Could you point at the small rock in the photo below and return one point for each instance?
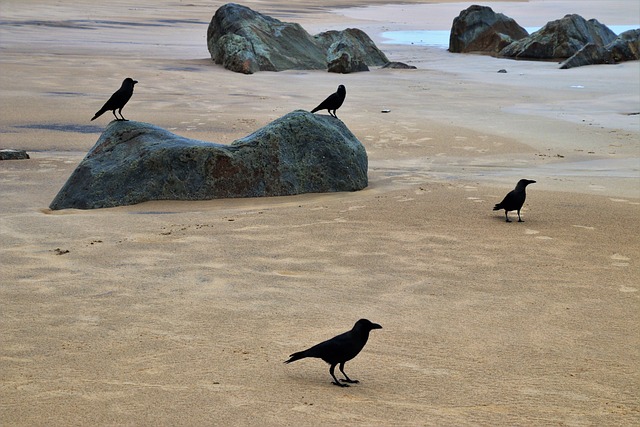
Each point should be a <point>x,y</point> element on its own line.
<point>398,66</point>
<point>11,154</point>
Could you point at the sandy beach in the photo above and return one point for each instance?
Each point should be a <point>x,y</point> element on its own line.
<point>181,313</point>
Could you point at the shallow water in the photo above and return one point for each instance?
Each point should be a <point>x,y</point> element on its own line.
<point>440,38</point>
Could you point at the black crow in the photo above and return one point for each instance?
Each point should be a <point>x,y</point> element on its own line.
<point>340,349</point>
<point>118,99</point>
<point>514,200</point>
<point>333,101</point>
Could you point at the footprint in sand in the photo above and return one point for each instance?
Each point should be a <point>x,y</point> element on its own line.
<point>534,232</point>
<point>620,260</point>
<point>584,226</point>
<point>354,208</point>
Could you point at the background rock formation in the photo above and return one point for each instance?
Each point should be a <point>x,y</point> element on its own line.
<point>350,50</point>
<point>237,35</point>
<point>134,162</point>
<point>624,48</point>
<point>480,29</point>
<point>246,41</point>
<point>560,39</point>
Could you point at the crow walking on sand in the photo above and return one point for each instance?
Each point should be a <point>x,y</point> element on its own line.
<point>514,200</point>
<point>333,101</point>
<point>340,349</point>
<point>118,100</point>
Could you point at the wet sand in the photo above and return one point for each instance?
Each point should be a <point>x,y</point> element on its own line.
<point>181,313</point>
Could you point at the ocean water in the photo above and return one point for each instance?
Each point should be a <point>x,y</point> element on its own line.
<point>440,39</point>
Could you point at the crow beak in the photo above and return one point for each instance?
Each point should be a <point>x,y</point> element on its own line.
<point>375,326</point>
<point>135,81</point>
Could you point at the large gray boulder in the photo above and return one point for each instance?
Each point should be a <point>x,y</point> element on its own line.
<point>480,29</point>
<point>560,39</point>
<point>263,42</point>
<point>245,41</point>
<point>134,162</point>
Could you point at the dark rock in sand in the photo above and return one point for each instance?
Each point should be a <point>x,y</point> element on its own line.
<point>342,62</point>
<point>560,39</point>
<point>134,162</point>
<point>589,54</point>
<point>235,53</point>
<point>480,29</point>
<point>11,154</point>
<point>399,66</point>
<point>351,49</point>
<point>246,41</point>
<point>625,47</point>
<point>243,40</point>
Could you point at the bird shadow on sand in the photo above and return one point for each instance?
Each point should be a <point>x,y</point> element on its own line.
<point>63,127</point>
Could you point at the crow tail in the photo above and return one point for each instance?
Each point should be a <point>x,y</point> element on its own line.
<point>98,114</point>
<point>296,356</point>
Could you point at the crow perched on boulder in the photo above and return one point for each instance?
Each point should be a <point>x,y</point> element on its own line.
<point>118,100</point>
<point>340,349</point>
<point>333,101</point>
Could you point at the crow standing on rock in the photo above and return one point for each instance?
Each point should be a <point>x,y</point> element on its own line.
<point>514,200</point>
<point>340,349</point>
<point>333,101</point>
<point>118,100</point>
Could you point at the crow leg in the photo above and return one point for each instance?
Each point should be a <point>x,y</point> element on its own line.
<point>114,115</point>
<point>346,378</point>
<point>506,215</point>
<point>519,219</point>
<point>335,380</point>
<point>120,111</point>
